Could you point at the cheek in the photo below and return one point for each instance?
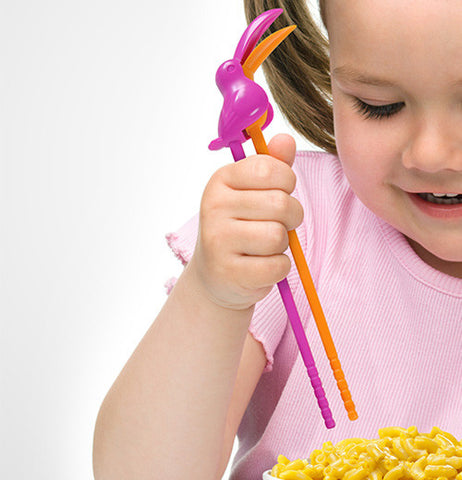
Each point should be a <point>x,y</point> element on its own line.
<point>367,148</point>
<point>354,145</point>
<point>365,155</point>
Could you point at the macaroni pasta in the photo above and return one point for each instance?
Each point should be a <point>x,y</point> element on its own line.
<point>397,454</point>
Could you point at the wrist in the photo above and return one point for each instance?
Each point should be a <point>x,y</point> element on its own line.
<point>195,289</point>
<point>222,294</point>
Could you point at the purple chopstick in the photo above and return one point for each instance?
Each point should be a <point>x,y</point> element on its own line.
<point>288,300</point>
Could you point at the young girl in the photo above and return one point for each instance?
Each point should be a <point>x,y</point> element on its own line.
<point>380,217</point>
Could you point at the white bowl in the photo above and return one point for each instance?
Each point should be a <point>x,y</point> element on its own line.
<point>267,476</point>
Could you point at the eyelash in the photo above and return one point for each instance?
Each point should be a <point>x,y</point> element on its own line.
<point>377,112</point>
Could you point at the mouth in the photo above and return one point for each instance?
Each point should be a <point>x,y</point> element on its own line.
<point>441,206</point>
<point>442,198</point>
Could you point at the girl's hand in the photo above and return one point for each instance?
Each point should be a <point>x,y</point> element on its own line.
<point>246,211</point>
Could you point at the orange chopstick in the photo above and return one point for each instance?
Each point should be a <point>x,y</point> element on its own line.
<point>310,291</point>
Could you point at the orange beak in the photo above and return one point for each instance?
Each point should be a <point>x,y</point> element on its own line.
<point>262,51</point>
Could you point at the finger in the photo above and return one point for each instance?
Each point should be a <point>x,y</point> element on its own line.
<point>283,147</point>
<point>259,238</point>
<point>260,272</point>
<point>259,172</point>
<point>270,205</point>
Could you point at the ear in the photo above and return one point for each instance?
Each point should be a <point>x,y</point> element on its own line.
<point>254,32</point>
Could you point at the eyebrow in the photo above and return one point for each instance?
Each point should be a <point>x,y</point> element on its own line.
<point>349,73</point>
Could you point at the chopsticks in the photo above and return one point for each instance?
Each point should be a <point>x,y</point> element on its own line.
<point>246,112</point>
<point>297,327</point>
<point>310,291</point>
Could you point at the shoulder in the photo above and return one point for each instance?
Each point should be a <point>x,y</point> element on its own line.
<point>319,174</point>
<point>333,215</point>
<point>323,189</point>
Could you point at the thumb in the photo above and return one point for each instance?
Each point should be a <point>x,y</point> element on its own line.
<point>283,147</point>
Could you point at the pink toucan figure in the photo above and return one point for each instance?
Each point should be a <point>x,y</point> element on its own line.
<point>244,100</point>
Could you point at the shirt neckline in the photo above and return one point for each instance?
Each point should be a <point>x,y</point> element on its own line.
<point>415,266</point>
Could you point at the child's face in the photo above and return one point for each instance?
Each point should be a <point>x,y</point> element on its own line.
<point>408,56</point>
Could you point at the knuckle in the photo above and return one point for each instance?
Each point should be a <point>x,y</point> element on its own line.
<point>267,272</point>
<point>262,169</point>
<point>291,179</point>
<point>298,212</point>
<point>281,267</point>
<point>286,265</point>
<point>222,176</point>
<point>279,201</point>
<point>215,198</point>
<point>277,235</point>
<point>209,205</point>
<point>263,273</point>
<point>217,176</point>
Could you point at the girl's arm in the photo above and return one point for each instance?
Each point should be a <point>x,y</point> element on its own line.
<point>174,410</point>
<point>250,369</point>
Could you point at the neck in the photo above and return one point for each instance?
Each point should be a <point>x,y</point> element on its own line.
<point>450,268</point>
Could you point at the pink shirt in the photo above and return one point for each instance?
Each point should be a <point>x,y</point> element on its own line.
<point>396,323</point>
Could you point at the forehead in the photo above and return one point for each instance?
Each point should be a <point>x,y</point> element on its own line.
<point>396,34</point>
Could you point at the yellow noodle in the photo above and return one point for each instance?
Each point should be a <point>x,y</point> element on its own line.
<point>397,454</point>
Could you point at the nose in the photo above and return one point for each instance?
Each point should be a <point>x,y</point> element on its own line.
<point>434,145</point>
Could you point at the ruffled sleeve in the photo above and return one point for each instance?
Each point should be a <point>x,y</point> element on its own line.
<point>183,241</point>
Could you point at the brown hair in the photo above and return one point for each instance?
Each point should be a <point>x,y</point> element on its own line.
<point>298,70</point>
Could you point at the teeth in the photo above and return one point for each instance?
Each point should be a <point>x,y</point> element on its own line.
<point>442,198</point>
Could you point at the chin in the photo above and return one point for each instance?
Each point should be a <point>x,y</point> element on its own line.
<point>438,251</point>
<point>450,255</point>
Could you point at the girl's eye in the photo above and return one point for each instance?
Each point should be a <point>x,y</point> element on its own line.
<point>377,111</point>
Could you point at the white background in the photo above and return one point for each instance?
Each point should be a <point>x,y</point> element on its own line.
<point>107,109</point>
